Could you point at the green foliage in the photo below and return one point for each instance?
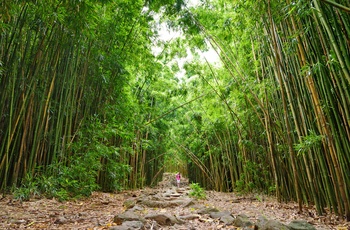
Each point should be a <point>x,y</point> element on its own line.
<point>28,189</point>
<point>38,186</point>
<point>79,178</point>
<point>240,185</point>
<point>72,182</point>
<point>96,160</point>
<point>197,191</point>
<point>116,175</point>
<point>254,178</point>
<point>272,190</point>
<point>308,142</point>
<point>92,156</point>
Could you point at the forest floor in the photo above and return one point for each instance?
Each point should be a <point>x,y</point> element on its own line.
<point>99,210</point>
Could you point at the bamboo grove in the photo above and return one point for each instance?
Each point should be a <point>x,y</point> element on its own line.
<point>85,104</point>
<point>280,120</point>
<point>76,89</point>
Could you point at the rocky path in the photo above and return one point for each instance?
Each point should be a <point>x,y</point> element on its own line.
<point>164,207</point>
<point>170,207</point>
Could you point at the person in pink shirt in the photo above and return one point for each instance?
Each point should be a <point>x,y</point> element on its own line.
<point>178,178</point>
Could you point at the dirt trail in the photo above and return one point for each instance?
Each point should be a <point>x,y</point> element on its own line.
<point>164,207</point>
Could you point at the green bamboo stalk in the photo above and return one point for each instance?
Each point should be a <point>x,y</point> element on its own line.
<point>337,5</point>
<point>286,119</point>
<point>334,44</point>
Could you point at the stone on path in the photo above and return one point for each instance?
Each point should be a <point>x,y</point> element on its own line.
<point>126,216</point>
<point>190,217</point>
<point>129,203</point>
<point>217,215</point>
<point>129,225</point>
<point>227,220</point>
<point>166,203</point>
<point>181,190</point>
<point>137,208</point>
<point>163,219</point>
<point>61,220</point>
<point>242,221</point>
<point>207,210</point>
<point>265,224</point>
<point>272,225</point>
<point>300,225</point>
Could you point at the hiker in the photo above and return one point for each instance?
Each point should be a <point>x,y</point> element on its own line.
<point>178,178</point>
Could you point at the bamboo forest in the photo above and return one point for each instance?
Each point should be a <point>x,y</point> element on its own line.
<point>241,96</point>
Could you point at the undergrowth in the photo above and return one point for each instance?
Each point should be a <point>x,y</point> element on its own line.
<point>197,191</point>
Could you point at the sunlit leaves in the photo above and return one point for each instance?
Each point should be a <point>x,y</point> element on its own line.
<point>307,143</point>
